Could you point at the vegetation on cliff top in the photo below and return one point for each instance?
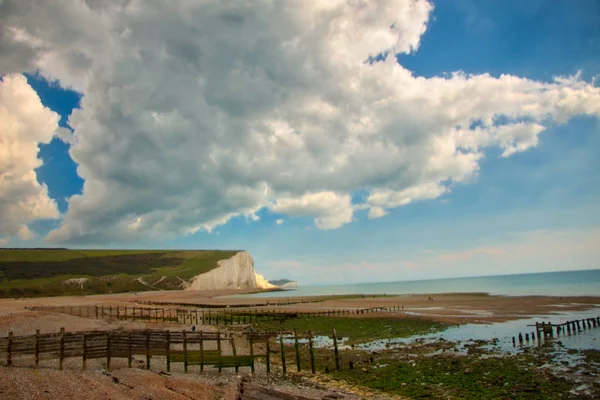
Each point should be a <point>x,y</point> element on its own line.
<point>43,272</point>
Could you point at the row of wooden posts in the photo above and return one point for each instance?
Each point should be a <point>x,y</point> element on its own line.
<point>202,316</point>
<point>129,343</point>
<point>545,330</point>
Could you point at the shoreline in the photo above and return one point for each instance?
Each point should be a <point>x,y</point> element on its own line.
<point>456,308</point>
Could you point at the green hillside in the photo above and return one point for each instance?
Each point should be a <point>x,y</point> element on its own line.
<point>43,272</point>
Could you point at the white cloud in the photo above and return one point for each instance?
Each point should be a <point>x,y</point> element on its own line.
<point>376,212</point>
<point>279,221</point>
<point>197,112</point>
<point>24,123</point>
<point>331,210</point>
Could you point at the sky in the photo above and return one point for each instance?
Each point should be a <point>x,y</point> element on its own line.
<point>337,142</point>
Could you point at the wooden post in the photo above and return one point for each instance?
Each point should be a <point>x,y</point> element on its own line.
<point>268,359</point>
<point>84,357</point>
<point>37,348</point>
<point>185,354</point>
<point>234,352</point>
<point>130,351</point>
<point>9,349</point>
<point>102,311</point>
<point>219,348</point>
<point>125,316</point>
<point>108,351</point>
<point>118,313</point>
<point>335,349</point>
<point>168,349</point>
<point>147,349</point>
<point>201,353</point>
<point>209,316</point>
<point>251,340</point>
<point>62,349</point>
<point>110,313</point>
<point>297,346</point>
<point>282,353</point>
<point>312,352</point>
<point>96,307</point>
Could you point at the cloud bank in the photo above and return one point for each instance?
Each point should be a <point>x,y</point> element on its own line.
<point>24,122</point>
<point>199,111</point>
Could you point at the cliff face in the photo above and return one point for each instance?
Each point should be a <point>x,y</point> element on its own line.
<point>236,272</point>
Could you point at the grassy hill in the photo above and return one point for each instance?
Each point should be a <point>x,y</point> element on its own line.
<point>43,272</point>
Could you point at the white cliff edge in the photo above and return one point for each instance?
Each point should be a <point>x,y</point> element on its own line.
<point>236,272</point>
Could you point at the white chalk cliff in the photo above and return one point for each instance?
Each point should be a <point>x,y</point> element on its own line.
<point>236,272</point>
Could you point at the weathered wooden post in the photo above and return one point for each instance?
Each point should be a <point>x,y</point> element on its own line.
<point>251,340</point>
<point>9,349</point>
<point>130,350</point>
<point>168,349</point>
<point>336,352</point>
<point>102,311</point>
<point>520,339</point>
<point>108,351</point>
<point>312,352</point>
<point>268,359</point>
<point>37,348</point>
<point>537,330</point>
<point>147,349</point>
<point>234,352</point>
<point>281,345</point>
<point>84,356</point>
<point>201,352</point>
<point>185,354</point>
<point>118,313</point>
<point>110,313</point>
<point>61,355</point>
<point>297,347</point>
<point>219,348</point>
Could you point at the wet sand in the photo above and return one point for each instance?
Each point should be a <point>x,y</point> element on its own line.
<point>452,308</point>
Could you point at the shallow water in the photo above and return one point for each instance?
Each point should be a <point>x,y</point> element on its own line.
<point>504,332</point>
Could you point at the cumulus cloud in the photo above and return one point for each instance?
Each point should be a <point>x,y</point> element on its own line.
<point>199,111</point>
<point>24,123</point>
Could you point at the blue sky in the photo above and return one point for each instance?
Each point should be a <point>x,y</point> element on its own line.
<point>536,210</point>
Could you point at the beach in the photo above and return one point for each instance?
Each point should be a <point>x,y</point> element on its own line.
<point>439,312</point>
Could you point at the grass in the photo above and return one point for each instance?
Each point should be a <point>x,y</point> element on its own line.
<point>42,272</point>
<point>357,330</point>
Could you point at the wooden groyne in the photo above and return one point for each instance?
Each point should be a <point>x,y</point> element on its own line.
<point>184,347</point>
<point>198,316</point>
<point>547,330</point>
<point>176,346</point>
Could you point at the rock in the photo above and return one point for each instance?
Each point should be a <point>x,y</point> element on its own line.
<point>363,369</point>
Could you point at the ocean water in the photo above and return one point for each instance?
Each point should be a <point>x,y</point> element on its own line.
<point>565,283</point>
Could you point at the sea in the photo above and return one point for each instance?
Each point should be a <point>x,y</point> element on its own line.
<point>564,283</point>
